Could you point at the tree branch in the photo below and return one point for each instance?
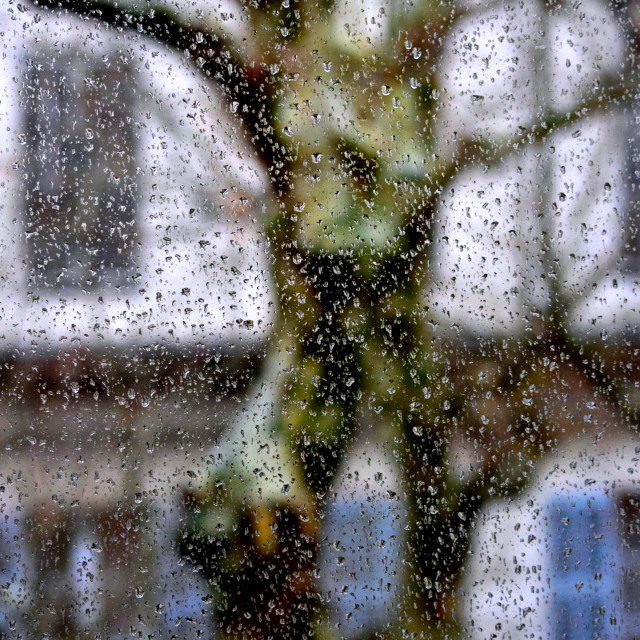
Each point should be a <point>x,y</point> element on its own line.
<point>478,150</point>
<point>248,86</point>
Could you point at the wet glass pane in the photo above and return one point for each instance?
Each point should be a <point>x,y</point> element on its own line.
<point>319,319</point>
<point>80,196</point>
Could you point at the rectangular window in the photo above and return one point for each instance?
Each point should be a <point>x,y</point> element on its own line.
<point>585,567</point>
<point>629,523</point>
<point>631,257</point>
<point>80,190</point>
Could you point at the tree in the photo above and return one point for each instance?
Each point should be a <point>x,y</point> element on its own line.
<point>362,145</point>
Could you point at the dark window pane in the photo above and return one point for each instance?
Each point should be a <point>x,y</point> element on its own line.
<point>80,194</point>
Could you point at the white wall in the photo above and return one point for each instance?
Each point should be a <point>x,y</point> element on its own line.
<point>503,68</point>
<point>191,151</point>
<point>507,588</point>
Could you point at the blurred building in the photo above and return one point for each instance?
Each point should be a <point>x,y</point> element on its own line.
<point>551,229</point>
<point>134,297</point>
<point>128,194</point>
<point>562,560</point>
<point>544,242</point>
